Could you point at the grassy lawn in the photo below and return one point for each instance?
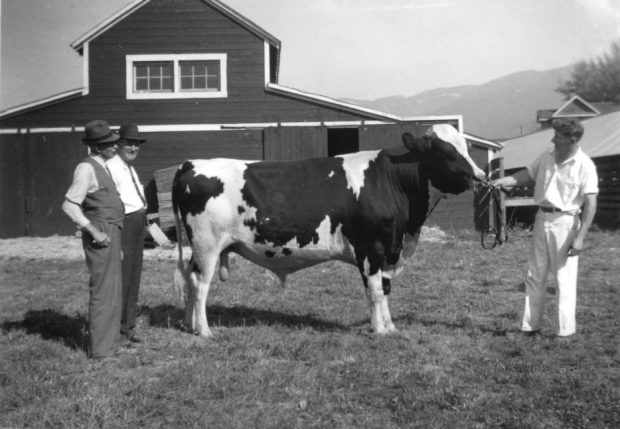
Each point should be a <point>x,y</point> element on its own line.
<point>303,356</point>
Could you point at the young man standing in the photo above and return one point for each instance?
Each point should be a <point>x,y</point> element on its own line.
<point>566,185</point>
<point>93,203</point>
<point>134,229</point>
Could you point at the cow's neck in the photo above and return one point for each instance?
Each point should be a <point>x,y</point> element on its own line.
<point>413,187</point>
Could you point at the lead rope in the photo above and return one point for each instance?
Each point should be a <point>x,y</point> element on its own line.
<point>498,227</point>
<point>430,212</point>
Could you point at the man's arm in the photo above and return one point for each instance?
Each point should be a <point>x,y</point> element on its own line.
<point>520,178</point>
<point>587,216</point>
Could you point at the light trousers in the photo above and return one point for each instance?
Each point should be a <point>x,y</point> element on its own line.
<point>548,260</point>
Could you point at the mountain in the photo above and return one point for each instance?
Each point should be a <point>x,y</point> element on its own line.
<point>501,109</point>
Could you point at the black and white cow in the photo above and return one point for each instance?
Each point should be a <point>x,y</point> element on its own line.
<point>364,208</point>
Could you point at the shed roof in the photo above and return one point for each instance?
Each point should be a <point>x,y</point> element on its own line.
<point>601,137</point>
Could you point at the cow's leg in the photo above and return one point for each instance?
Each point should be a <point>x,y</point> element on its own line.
<point>206,269</point>
<point>190,302</point>
<point>385,309</point>
<point>376,298</point>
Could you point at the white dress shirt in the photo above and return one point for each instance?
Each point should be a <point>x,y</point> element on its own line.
<point>563,186</point>
<point>132,194</point>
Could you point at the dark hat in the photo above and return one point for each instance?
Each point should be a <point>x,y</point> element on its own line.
<point>130,132</point>
<point>98,132</point>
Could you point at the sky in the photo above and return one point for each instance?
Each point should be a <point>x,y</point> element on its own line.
<point>359,49</point>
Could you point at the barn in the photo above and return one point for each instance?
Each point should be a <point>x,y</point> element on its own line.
<point>201,81</point>
<point>600,141</point>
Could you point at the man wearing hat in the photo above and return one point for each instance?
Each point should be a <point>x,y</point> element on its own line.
<point>134,228</point>
<point>94,204</point>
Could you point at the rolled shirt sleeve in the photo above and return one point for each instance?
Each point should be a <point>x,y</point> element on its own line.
<point>84,181</point>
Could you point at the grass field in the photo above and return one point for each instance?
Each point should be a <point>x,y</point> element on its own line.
<point>303,356</point>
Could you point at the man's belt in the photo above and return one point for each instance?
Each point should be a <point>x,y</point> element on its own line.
<point>554,210</point>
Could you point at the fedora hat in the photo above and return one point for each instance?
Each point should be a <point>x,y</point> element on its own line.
<point>98,132</point>
<point>130,132</point>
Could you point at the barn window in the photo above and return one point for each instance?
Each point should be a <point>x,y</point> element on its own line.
<point>176,76</point>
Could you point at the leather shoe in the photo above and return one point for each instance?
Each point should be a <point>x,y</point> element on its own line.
<point>132,337</point>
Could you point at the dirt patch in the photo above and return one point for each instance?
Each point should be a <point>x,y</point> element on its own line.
<point>69,247</point>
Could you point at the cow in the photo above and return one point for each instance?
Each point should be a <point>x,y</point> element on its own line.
<point>365,208</point>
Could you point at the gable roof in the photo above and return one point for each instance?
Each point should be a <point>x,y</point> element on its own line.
<point>601,137</point>
<point>576,107</point>
<point>78,44</point>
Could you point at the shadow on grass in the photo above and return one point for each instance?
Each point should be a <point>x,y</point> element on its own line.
<point>521,288</point>
<point>52,325</point>
<point>168,316</point>
<point>459,323</point>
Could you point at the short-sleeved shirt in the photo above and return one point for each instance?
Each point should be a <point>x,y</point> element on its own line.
<point>84,182</point>
<point>128,184</point>
<point>563,186</point>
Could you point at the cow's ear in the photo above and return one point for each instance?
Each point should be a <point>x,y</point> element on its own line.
<point>419,145</point>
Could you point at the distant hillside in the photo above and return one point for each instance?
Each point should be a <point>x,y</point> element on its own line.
<point>500,109</point>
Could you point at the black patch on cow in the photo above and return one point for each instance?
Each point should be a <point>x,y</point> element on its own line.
<point>270,253</point>
<point>191,192</point>
<point>293,198</point>
<point>240,210</point>
<point>286,251</point>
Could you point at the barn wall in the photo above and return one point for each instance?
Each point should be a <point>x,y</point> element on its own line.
<point>608,204</point>
<point>35,177</point>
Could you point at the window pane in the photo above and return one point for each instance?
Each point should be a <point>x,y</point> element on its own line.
<point>142,84</point>
<point>154,84</point>
<point>200,82</point>
<point>153,76</point>
<point>213,82</point>
<point>203,74</point>
<point>186,83</point>
<point>167,84</point>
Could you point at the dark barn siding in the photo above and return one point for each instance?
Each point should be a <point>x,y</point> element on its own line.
<point>34,180</point>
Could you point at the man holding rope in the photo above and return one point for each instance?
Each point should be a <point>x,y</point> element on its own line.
<point>566,186</point>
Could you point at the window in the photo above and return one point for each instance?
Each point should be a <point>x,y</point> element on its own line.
<point>176,76</point>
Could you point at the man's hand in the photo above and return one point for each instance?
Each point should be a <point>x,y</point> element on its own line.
<point>100,239</point>
<point>576,247</point>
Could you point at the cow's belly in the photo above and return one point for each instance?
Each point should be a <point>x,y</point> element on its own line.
<point>286,260</point>
<point>292,257</point>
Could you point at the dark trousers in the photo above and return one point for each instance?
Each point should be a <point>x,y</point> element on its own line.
<point>105,291</point>
<point>133,235</point>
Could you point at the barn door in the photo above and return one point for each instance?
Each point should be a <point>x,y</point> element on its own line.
<point>291,143</point>
<point>374,137</point>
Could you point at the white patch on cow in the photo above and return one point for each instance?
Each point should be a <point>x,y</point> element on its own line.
<point>331,174</point>
<point>449,134</point>
<point>354,165</point>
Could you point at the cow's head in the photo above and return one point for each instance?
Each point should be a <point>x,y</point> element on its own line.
<point>443,151</point>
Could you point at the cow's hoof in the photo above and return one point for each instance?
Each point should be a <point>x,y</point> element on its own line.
<point>391,329</point>
<point>205,333</point>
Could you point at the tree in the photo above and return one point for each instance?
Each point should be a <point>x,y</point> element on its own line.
<point>596,80</point>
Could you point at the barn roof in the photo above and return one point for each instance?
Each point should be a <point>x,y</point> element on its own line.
<point>132,7</point>
<point>601,138</point>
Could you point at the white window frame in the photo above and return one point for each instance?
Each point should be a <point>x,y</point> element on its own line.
<point>176,93</point>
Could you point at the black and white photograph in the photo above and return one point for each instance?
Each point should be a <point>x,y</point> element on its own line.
<point>310,214</point>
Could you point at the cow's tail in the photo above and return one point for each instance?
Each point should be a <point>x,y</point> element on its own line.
<point>180,272</point>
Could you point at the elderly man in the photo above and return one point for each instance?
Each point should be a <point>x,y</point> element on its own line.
<point>94,204</point>
<point>134,229</point>
<point>566,185</point>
